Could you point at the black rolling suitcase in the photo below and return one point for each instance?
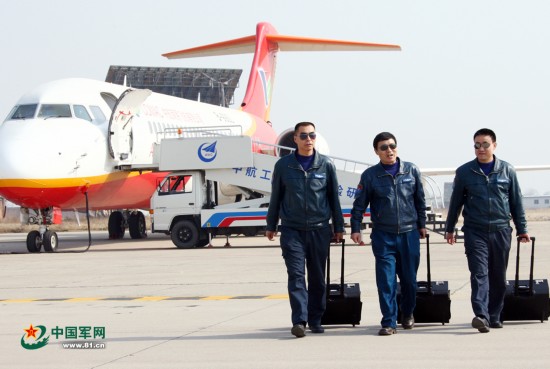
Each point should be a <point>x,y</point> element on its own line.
<point>526,299</point>
<point>433,298</point>
<point>343,299</point>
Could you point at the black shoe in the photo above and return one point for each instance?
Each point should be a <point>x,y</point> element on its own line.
<point>496,325</point>
<point>299,330</point>
<point>480,324</point>
<point>317,329</point>
<point>408,322</point>
<point>387,331</point>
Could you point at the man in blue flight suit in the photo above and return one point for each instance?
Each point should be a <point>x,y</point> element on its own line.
<point>394,190</point>
<point>305,198</point>
<point>488,190</point>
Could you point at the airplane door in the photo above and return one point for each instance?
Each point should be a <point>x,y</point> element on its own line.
<point>120,125</point>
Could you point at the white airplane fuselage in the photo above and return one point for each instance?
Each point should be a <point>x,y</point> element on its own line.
<point>53,154</point>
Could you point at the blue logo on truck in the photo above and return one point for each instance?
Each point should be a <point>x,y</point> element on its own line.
<point>207,151</point>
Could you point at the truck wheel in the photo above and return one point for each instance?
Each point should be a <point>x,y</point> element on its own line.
<point>202,243</point>
<point>185,234</point>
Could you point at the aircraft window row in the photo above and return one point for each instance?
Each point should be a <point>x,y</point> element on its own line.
<point>81,112</point>
<point>24,111</point>
<point>99,117</point>
<point>28,111</point>
<point>54,111</point>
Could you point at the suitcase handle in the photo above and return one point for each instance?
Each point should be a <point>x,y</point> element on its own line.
<point>341,267</point>
<point>516,286</point>
<point>428,263</point>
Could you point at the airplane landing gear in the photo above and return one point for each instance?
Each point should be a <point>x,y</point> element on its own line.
<point>34,241</point>
<point>44,237</point>
<point>133,220</point>
<point>116,226</point>
<point>137,226</point>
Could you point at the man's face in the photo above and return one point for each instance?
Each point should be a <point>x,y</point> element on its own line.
<point>387,151</point>
<point>304,141</point>
<point>484,148</point>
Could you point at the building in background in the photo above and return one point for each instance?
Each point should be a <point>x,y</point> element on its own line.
<point>529,202</point>
<point>536,202</point>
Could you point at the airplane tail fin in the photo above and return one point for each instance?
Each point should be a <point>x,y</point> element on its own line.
<point>265,45</point>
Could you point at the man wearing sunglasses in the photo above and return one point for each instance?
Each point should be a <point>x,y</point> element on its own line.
<point>304,198</point>
<point>394,190</point>
<point>488,190</point>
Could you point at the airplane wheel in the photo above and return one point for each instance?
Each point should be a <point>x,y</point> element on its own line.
<point>185,234</point>
<point>116,225</point>
<point>136,225</point>
<point>50,241</point>
<point>34,241</point>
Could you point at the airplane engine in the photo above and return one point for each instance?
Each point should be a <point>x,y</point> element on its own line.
<point>286,139</point>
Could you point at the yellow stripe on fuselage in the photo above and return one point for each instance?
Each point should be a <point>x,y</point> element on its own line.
<point>68,182</point>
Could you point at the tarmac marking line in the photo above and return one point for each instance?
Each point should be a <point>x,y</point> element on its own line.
<point>208,298</point>
<point>276,297</point>
<point>83,299</point>
<point>151,298</point>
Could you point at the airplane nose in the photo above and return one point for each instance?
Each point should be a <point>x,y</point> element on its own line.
<point>44,148</point>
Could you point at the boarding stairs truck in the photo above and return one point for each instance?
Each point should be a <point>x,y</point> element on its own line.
<point>220,185</point>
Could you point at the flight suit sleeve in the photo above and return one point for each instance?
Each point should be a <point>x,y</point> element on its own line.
<point>334,201</point>
<point>277,189</point>
<point>516,204</point>
<point>359,205</point>
<point>456,204</point>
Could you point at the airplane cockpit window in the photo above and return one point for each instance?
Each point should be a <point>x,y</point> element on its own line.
<point>98,115</point>
<point>54,111</point>
<point>81,112</point>
<point>24,111</point>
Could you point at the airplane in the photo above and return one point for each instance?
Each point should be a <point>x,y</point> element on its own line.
<point>57,150</point>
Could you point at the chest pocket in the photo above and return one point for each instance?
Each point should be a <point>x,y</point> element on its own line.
<point>317,180</point>
<point>407,185</point>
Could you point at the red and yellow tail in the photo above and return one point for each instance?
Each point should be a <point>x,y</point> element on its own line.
<point>265,45</point>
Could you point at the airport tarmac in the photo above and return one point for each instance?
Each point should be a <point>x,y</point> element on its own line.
<point>151,305</point>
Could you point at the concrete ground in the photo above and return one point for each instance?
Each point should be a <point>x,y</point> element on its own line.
<point>154,306</point>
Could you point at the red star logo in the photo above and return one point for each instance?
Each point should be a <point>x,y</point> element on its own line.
<point>31,332</point>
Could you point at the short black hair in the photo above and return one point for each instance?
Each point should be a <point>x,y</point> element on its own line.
<point>486,132</point>
<point>382,136</point>
<point>302,124</point>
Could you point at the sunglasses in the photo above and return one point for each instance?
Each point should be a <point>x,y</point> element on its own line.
<point>303,136</point>
<point>485,145</point>
<point>385,147</point>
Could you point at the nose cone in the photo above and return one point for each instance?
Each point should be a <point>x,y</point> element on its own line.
<point>39,156</point>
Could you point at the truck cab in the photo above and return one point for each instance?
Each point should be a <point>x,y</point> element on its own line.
<point>176,205</point>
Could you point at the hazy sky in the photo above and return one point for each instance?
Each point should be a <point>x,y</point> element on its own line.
<point>464,65</point>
